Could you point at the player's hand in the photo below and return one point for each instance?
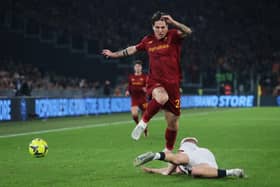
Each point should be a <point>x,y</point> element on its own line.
<point>147,170</point>
<point>144,89</point>
<point>107,53</point>
<point>162,171</point>
<point>127,93</point>
<point>168,19</point>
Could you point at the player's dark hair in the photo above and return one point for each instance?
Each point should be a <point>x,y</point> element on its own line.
<point>138,62</point>
<point>157,16</point>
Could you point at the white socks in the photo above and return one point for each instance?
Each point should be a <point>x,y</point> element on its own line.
<point>142,124</point>
<point>157,156</point>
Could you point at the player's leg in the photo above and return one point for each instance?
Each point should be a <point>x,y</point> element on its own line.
<point>207,166</point>
<point>143,108</point>
<point>171,130</point>
<point>172,113</point>
<point>206,171</point>
<point>134,113</point>
<point>176,159</point>
<point>162,171</point>
<point>159,98</point>
<point>146,132</point>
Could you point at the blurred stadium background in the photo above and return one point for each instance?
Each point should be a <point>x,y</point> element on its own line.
<point>52,48</point>
<point>50,66</point>
<point>55,45</point>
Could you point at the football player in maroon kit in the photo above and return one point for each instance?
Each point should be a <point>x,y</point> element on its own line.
<point>136,89</point>
<point>164,50</point>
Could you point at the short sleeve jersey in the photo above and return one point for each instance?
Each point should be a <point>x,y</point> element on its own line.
<point>136,83</point>
<point>164,56</point>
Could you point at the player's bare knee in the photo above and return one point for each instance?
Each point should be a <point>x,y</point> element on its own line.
<point>160,95</point>
<point>134,112</point>
<point>165,98</point>
<point>162,99</point>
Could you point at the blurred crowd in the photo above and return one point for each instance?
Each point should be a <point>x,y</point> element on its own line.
<point>235,36</point>
<point>18,79</point>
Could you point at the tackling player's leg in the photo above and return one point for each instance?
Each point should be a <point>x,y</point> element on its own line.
<point>144,158</point>
<point>181,159</point>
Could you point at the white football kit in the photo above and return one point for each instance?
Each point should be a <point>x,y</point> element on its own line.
<point>196,156</point>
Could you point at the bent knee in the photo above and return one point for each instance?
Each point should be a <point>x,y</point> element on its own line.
<point>162,98</point>
<point>134,111</point>
<point>160,95</point>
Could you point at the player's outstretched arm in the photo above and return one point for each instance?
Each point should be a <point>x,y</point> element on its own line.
<point>121,53</point>
<point>183,29</point>
<point>163,171</point>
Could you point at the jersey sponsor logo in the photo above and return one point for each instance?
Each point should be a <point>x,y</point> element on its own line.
<point>137,83</point>
<point>159,47</point>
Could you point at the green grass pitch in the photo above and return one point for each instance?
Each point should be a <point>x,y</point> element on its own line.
<point>98,151</point>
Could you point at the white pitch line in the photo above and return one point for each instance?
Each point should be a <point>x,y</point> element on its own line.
<point>94,125</point>
<point>71,128</point>
<point>64,129</point>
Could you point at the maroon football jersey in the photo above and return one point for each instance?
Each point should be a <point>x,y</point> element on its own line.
<point>136,86</point>
<point>164,56</point>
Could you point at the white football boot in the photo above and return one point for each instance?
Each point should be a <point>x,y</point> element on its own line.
<point>144,158</point>
<point>138,130</point>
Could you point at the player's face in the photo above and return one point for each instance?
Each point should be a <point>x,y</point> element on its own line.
<point>138,68</point>
<point>160,29</point>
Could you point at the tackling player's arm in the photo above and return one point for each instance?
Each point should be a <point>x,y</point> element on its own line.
<point>183,29</point>
<point>121,53</point>
<point>163,171</point>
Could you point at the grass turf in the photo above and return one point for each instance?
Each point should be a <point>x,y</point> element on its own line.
<point>98,150</point>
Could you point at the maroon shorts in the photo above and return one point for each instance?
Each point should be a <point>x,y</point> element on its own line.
<point>173,91</point>
<point>140,102</point>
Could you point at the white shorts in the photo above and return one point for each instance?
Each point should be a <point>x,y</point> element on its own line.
<point>198,156</point>
<point>202,156</point>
